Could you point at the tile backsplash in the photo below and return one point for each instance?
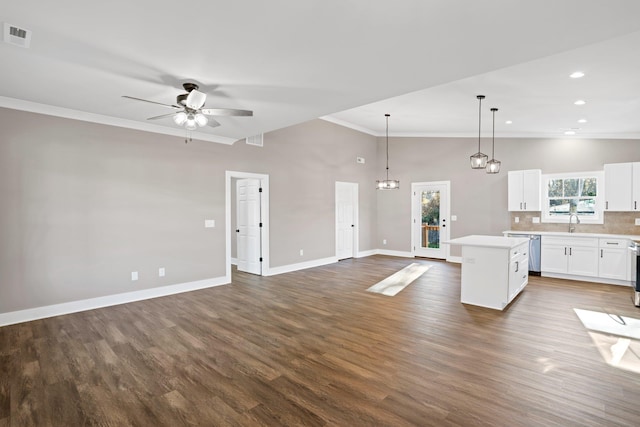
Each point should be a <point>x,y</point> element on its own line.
<point>614,223</point>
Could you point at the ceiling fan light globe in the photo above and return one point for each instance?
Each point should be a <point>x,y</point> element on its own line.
<point>201,119</point>
<point>180,118</point>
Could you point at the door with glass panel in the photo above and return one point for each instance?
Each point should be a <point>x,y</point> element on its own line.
<point>430,218</point>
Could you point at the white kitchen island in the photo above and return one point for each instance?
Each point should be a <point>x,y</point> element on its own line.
<point>495,269</point>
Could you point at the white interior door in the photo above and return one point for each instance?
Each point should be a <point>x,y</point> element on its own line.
<point>430,221</point>
<point>346,219</point>
<point>248,223</point>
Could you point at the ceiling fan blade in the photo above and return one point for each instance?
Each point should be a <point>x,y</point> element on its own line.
<point>161,116</point>
<point>212,123</point>
<point>226,112</point>
<point>195,99</point>
<point>152,102</point>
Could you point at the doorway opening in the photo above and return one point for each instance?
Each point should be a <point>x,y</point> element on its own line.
<point>247,222</point>
<point>430,225</point>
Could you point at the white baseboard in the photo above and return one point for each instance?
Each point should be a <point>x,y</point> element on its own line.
<point>456,259</point>
<point>363,254</point>
<point>300,266</point>
<point>106,301</point>
<point>402,254</point>
<point>234,261</point>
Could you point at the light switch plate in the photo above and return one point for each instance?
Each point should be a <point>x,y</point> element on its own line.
<point>454,217</point>
<point>360,160</point>
<point>517,219</point>
<point>536,220</point>
<point>161,272</point>
<point>134,275</point>
<point>637,221</point>
<point>209,223</point>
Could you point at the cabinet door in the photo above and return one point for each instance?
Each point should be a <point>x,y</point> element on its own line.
<point>613,264</point>
<point>583,261</point>
<point>531,190</point>
<point>515,185</point>
<point>635,186</point>
<point>553,258</point>
<point>617,186</point>
<point>518,275</point>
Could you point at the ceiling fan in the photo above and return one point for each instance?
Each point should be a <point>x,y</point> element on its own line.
<point>189,112</point>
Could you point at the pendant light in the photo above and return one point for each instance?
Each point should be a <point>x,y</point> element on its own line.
<point>493,165</point>
<point>388,184</point>
<point>479,160</point>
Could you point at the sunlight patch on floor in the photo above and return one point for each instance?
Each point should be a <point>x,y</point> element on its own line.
<point>399,280</point>
<point>617,338</point>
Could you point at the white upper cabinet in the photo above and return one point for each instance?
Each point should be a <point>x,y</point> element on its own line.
<point>524,190</point>
<point>622,187</point>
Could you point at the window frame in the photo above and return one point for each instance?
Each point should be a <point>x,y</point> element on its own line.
<point>598,217</point>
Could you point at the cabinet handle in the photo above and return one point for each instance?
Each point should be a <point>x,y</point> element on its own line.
<point>565,251</point>
<point>612,243</point>
<point>600,253</point>
<point>517,266</point>
<point>520,205</point>
<point>635,204</point>
<point>569,251</point>
<point>525,206</point>
<point>606,205</point>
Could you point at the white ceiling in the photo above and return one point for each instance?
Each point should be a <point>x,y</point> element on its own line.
<point>347,60</point>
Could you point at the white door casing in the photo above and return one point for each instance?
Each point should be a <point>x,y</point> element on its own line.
<point>346,220</point>
<point>420,190</point>
<point>248,223</point>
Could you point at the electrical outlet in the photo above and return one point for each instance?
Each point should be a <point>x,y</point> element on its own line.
<point>454,217</point>
<point>536,219</point>
<point>134,275</point>
<point>161,272</point>
<point>637,221</point>
<point>384,241</point>
<point>209,223</point>
<point>360,160</point>
<point>301,252</point>
<point>517,219</point>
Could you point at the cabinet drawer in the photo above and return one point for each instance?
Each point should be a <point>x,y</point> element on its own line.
<point>614,243</point>
<point>521,250</point>
<point>570,241</point>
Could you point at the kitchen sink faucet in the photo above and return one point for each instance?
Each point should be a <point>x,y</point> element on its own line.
<point>572,229</point>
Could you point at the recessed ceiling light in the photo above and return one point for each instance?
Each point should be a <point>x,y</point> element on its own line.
<point>576,75</point>
<point>508,122</point>
<point>569,132</point>
<point>580,102</point>
<point>582,121</point>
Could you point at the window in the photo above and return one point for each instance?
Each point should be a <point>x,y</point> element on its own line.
<point>573,193</point>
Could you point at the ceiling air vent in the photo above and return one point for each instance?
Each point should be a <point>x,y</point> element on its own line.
<point>16,36</point>
<point>256,140</point>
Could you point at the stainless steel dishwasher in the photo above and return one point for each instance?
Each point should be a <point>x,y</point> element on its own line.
<point>534,252</point>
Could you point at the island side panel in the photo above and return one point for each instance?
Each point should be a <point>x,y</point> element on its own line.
<point>485,276</point>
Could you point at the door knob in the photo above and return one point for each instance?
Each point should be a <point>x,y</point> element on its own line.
<point>237,231</point>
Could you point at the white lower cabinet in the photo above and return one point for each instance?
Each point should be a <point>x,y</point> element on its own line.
<point>614,259</point>
<point>569,255</point>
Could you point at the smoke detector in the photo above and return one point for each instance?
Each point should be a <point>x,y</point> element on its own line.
<point>16,36</point>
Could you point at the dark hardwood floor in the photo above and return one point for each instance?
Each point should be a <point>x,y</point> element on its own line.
<point>313,348</point>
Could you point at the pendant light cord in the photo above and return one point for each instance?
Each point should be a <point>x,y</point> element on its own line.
<point>387,116</point>
<point>493,135</point>
<point>479,118</point>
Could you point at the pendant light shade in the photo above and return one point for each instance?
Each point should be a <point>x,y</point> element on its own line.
<point>388,184</point>
<point>479,160</point>
<point>493,165</point>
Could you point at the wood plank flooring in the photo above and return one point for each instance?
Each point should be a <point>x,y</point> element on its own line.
<point>313,348</point>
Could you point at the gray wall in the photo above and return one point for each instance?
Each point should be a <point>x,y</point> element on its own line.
<point>478,199</point>
<point>84,205</point>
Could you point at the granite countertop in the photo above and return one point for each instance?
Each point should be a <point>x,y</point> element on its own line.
<point>567,234</point>
<point>488,241</point>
